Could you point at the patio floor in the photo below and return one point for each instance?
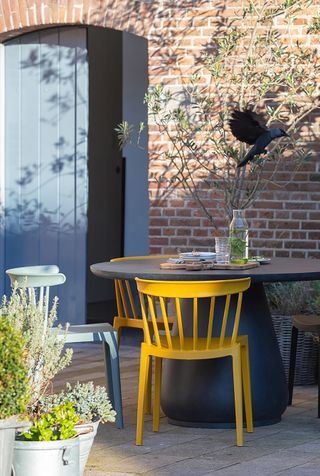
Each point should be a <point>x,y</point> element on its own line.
<point>289,448</point>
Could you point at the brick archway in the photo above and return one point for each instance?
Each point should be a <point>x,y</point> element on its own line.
<point>20,16</point>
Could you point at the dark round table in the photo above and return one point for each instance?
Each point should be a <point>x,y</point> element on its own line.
<point>200,393</point>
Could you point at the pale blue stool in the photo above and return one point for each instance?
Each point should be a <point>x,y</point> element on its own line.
<point>42,278</point>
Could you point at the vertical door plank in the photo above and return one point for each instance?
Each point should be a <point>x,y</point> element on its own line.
<point>49,140</point>
<point>46,155</point>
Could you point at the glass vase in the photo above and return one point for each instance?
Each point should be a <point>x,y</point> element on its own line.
<point>239,238</point>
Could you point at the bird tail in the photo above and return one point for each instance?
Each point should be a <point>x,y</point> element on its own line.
<point>248,157</point>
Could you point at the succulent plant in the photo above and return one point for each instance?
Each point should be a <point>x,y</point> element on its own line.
<point>14,387</point>
<point>90,402</point>
<point>56,424</point>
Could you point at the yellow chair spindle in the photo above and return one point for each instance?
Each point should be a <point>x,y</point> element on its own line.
<point>225,320</point>
<point>153,314</point>
<point>123,299</point>
<point>180,325</point>
<point>131,300</point>
<point>195,323</point>
<point>210,322</point>
<point>146,328</point>
<point>236,319</point>
<point>163,306</point>
<point>118,298</point>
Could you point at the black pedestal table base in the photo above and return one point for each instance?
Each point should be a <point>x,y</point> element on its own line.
<point>200,393</point>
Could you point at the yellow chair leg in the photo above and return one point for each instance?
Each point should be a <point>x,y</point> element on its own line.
<point>119,331</point>
<point>237,385</point>
<point>247,387</point>
<point>143,381</point>
<point>148,401</point>
<point>157,392</point>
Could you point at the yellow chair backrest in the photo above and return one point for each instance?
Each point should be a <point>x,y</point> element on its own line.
<point>153,296</point>
<point>126,305</point>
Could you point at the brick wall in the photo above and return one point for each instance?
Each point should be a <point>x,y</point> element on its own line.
<point>285,221</point>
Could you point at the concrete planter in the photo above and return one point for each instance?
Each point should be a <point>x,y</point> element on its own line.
<point>7,434</point>
<point>87,433</point>
<point>49,458</point>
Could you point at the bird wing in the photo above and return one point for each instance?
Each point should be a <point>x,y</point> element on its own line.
<point>247,125</point>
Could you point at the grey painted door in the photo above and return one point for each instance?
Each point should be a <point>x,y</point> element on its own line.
<point>46,128</point>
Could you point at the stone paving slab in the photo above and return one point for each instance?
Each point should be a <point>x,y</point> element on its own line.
<point>288,448</point>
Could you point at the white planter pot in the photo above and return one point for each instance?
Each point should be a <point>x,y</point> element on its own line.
<point>49,458</point>
<point>7,434</point>
<point>87,432</point>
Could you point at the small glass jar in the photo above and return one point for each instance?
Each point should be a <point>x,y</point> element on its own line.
<point>239,238</point>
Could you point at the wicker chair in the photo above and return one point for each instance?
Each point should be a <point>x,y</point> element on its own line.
<point>304,323</point>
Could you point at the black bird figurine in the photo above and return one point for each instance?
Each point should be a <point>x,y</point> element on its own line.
<point>249,127</point>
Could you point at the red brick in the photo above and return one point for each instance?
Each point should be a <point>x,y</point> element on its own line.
<point>160,241</point>
<point>155,212</point>
<point>304,245</point>
<point>178,241</point>
<point>298,215</point>
<point>284,225</point>
<point>271,243</point>
<point>282,235</point>
<point>264,234</point>
<point>200,232</point>
<point>298,235</point>
<point>155,221</point>
<point>310,225</point>
<point>282,253</point>
<point>300,205</point>
<point>156,231</point>
<point>298,254</point>
<point>314,216</point>
<point>184,231</point>
<point>186,222</point>
<point>169,212</point>
<point>313,254</point>
<point>314,235</point>
<point>169,231</point>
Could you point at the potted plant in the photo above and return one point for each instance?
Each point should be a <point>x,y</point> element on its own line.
<point>92,405</point>
<point>43,346</point>
<point>14,388</point>
<point>50,446</point>
<point>286,300</point>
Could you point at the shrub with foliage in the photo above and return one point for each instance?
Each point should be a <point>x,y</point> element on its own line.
<point>43,343</point>
<point>255,60</point>
<point>291,298</point>
<point>14,387</point>
<point>56,424</point>
<point>90,402</point>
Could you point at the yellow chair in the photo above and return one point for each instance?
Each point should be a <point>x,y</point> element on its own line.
<point>128,314</point>
<point>165,345</point>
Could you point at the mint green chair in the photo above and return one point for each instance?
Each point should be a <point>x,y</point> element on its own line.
<point>38,280</point>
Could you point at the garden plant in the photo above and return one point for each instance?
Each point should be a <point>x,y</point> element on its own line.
<point>255,61</point>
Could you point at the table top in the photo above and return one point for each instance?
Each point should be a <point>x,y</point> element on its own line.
<point>279,269</point>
